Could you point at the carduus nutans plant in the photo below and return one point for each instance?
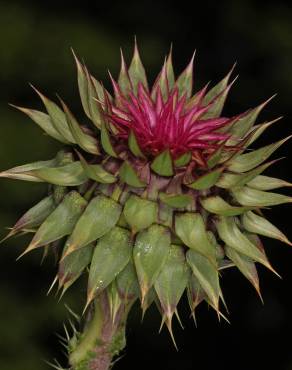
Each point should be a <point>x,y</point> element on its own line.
<point>152,196</point>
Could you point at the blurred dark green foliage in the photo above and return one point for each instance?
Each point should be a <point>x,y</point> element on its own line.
<point>35,39</point>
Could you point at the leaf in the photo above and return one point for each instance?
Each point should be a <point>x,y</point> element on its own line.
<point>137,72</point>
<point>60,222</point>
<point>257,198</point>
<point>175,200</point>
<point>111,255</point>
<point>259,225</point>
<point>85,141</point>
<point>248,161</point>
<point>127,282</point>
<point>72,266</point>
<point>96,172</point>
<point>106,141</point>
<point>245,265</point>
<point>69,175</point>
<point>207,275</point>
<point>44,121</point>
<point>34,216</point>
<point>129,176</point>
<point>140,213</point>
<point>215,204</point>
<point>190,228</point>
<point>267,183</point>
<point>150,253</point>
<point>134,146</point>
<point>162,164</point>
<point>183,160</point>
<point>206,181</point>
<point>57,116</point>
<point>99,217</point>
<point>184,83</point>
<point>234,238</point>
<point>230,180</point>
<point>172,281</point>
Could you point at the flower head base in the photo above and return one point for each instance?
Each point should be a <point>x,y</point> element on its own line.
<point>156,195</point>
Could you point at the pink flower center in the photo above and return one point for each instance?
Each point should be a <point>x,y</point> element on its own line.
<point>173,123</point>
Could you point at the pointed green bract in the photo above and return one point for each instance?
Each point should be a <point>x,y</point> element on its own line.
<point>150,252</point>
<point>162,164</point>
<point>217,89</point>
<point>137,72</point>
<point>134,146</point>
<point>230,180</point>
<point>191,229</point>
<point>129,176</point>
<point>267,183</point>
<point>25,172</point>
<point>82,85</point>
<point>127,282</point>
<point>58,117</point>
<point>70,175</point>
<point>161,84</point>
<point>207,275</point>
<point>244,123</point>
<point>60,222</point>
<point>124,79</point>
<point>85,141</point>
<point>248,161</point>
<point>259,225</point>
<point>184,82</point>
<point>217,205</point>
<point>96,172</point>
<point>234,238</point>
<point>207,180</point>
<point>256,198</point>
<point>183,160</point>
<point>111,255</point>
<point>34,216</point>
<point>175,200</point>
<point>169,71</point>
<point>215,157</point>
<point>257,131</point>
<point>44,121</point>
<point>106,141</point>
<point>245,265</point>
<point>95,99</point>
<point>72,266</point>
<point>195,292</point>
<point>140,213</point>
<point>172,280</point>
<point>99,217</point>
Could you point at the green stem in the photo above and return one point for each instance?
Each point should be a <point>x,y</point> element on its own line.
<point>102,339</point>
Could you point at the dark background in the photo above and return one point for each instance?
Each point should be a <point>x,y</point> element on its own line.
<point>35,39</point>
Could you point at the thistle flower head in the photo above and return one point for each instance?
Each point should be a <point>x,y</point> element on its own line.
<point>156,193</point>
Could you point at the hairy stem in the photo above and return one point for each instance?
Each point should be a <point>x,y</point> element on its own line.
<point>103,337</point>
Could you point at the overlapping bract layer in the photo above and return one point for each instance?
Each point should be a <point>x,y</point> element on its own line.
<point>157,196</point>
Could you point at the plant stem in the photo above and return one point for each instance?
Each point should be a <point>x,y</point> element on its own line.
<point>103,336</point>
